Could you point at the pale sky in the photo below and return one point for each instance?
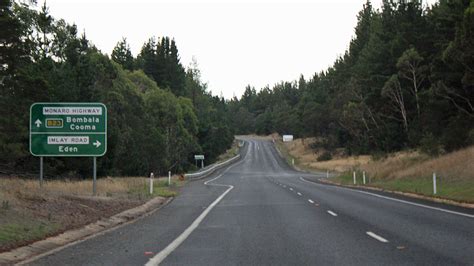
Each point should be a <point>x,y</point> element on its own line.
<point>236,43</point>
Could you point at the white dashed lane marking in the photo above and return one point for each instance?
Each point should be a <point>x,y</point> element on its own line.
<point>332,213</point>
<point>299,194</point>
<point>379,238</point>
<point>310,201</point>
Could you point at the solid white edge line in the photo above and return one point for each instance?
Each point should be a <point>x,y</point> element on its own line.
<point>397,200</point>
<point>379,238</point>
<point>332,213</point>
<point>310,201</point>
<point>158,258</point>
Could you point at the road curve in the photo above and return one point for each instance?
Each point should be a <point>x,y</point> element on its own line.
<point>261,212</point>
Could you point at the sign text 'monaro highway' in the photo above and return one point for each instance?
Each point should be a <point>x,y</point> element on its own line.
<point>68,129</point>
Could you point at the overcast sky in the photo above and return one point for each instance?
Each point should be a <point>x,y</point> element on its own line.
<point>236,43</point>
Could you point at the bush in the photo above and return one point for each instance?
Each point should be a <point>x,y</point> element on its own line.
<point>326,156</point>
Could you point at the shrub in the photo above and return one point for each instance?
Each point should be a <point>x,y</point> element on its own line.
<point>326,156</point>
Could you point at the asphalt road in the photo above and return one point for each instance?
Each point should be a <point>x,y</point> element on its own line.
<point>261,212</point>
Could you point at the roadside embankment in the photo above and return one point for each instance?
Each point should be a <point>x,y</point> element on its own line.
<point>29,213</point>
<point>406,171</point>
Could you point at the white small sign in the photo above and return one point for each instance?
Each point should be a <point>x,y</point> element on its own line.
<point>287,138</point>
<point>78,140</point>
<point>198,157</point>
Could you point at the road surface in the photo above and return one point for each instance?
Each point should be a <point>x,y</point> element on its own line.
<point>261,212</point>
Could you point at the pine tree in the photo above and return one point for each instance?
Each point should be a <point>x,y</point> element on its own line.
<point>123,55</point>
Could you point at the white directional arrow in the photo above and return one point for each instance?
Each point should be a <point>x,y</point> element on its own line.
<point>38,123</point>
<point>97,144</point>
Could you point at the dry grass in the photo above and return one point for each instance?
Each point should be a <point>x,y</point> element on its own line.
<point>306,157</point>
<point>231,152</point>
<point>458,165</point>
<point>408,171</point>
<point>106,186</point>
<point>391,166</point>
<point>121,187</point>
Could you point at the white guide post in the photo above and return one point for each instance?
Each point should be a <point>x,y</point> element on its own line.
<point>151,182</point>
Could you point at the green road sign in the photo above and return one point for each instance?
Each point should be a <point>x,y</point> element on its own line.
<point>68,129</point>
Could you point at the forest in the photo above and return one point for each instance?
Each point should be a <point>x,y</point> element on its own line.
<point>405,81</point>
<point>159,113</point>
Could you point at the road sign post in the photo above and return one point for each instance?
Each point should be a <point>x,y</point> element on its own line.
<point>94,178</point>
<point>68,130</point>
<point>41,171</point>
<point>199,157</point>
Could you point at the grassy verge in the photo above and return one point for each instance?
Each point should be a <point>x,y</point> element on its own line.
<point>29,213</point>
<point>291,159</point>
<point>459,190</point>
<point>25,231</point>
<point>407,171</point>
<point>231,152</point>
<point>160,188</point>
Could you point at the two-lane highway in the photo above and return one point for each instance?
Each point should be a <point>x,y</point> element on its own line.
<point>261,212</point>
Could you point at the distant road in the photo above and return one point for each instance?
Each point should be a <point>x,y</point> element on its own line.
<point>261,212</point>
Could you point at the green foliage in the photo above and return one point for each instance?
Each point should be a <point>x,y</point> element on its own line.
<point>153,122</point>
<point>406,81</point>
<point>123,55</point>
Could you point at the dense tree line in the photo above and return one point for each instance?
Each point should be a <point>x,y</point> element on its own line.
<point>159,113</point>
<point>405,81</point>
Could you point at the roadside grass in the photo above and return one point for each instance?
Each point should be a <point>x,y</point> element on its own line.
<point>284,151</point>
<point>405,171</point>
<point>25,230</point>
<point>120,187</point>
<point>231,152</point>
<point>160,188</point>
<point>29,213</point>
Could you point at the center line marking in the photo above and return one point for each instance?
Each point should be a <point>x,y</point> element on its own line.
<point>379,238</point>
<point>310,201</point>
<point>332,213</point>
<point>158,258</point>
<point>291,189</point>
<point>298,193</point>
